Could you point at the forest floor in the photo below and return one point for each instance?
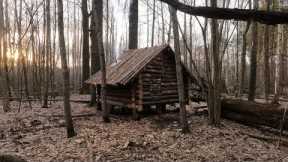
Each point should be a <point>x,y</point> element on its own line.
<point>39,135</point>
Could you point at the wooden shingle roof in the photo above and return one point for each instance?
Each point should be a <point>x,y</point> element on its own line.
<point>130,63</point>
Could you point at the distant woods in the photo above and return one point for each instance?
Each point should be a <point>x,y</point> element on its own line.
<point>30,55</point>
<point>244,59</point>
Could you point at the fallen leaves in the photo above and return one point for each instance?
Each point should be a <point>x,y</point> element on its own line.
<point>38,135</point>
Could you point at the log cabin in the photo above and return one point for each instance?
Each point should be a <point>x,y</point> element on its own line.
<point>144,77</point>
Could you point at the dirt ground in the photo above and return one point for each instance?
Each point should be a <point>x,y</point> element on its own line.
<point>39,135</point>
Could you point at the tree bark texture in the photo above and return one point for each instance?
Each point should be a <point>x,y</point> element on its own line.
<point>214,92</point>
<point>95,58</point>
<point>133,24</point>
<point>253,58</point>
<point>264,17</point>
<point>279,63</point>
<point>266,57</point>
<point>243,58</point>
<point>66,80</point>
<point>180,83</point>
<point>85,47</point>
<point>98,19</point>
<point>47,53</point>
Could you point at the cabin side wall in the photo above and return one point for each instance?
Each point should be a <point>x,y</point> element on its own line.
<point>119,95</point>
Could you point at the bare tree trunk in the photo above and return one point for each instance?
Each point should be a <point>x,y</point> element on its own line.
<point>185,35</point>
<point>279,64</point>
<point>107,51</point>
<point>85,46</point>
<point>191,43</point>
<point>68,35</point>
<point>47,53</point>
<point>74,49</point>
<point>66,80</point>
<point>1,38</point>
<point>5,40</point>
<point>280,48</point>
<point>34,63</point>
<point>214,116</point>
<point>253,58</point>
<point>153,22</point>
<point>98,19</point>
<point>180,83</point>
<point>21,54</point>
<point>237,59</point>
<point>3,53</point>
<point>169,32</point>
<point>243,58</point>
<point>95,58</point>
<point>266,57</point>
<point>163,24</point>
<point>133,34</point>
<point>148,20</point>
<point>133,24</point>
<point>54,51</point>
<point>113,39</point>
<point>42,53</point>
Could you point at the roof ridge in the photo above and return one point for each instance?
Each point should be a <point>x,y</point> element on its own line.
<point>128,66</point>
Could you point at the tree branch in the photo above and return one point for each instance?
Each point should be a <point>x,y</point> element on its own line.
<point>264,17</point>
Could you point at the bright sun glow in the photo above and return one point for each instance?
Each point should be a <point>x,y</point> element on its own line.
<point>12,54</point>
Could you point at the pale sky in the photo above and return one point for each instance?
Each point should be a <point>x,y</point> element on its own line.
<point>121,9</point>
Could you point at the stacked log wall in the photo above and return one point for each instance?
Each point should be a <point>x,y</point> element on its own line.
<point>159,80</point>
<point>119,95</point>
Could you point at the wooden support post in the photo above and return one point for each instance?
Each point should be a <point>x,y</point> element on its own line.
<point>189,91</point>
<point>147,108</point>
<point>98,96</point>
<point>123,109</point>
<point>140,94</point>
<point>134,107</point>
<point>135,114</point>
<point>109,108</point>
<point>158,109</point>
<point>161,108</point>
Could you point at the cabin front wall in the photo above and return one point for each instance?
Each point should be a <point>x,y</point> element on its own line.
<point>158,81</point>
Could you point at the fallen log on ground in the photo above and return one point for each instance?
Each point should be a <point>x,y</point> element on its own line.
<point>276,140</point>
<point>35,99</point>
<point>252,113</point>
<point>11,158</point>
<point>73,116</point>
<point>81,101</point>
